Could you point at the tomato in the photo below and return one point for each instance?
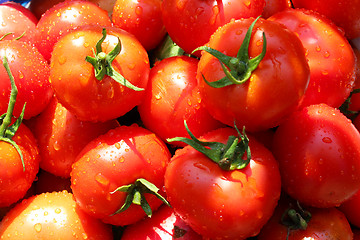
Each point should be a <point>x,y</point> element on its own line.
<point>324,224</point>
<point>31,75</point>
<point>191,23</point>
<point>222,204</point>
<point>63,17</point>
<point>16,21</point>
<point>356,232</point>
<point>51,215</point>
<point>354,104</point>
<point>142,18</point>
<point>318,150</point>
<point>118,158</point>
<point>351,209</point>
<point>344,15</point>
<point>271,92</point>
<point>330,56</point>
<point>163,225</point>
<point>274,6</point>
<point>172,96</point>
<point>76,85</point>
<point>61,136</point>
<point>47,182</point>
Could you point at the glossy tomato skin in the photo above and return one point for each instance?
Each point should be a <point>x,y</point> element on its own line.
<point>73,78</point>
<point>52,216</point>
<point>115,159</point>
<point>221,204</point>
<point>142,18</point>
<point>163,225</point>
<point>275,6</point>
<point>330,56</point>
<point>351,209</point>
<point>274,89</point>
<point>318,151</point>
<point>325,224</point>
<point>191,23</point>
<point>61,136</point>
<point>344,15</point>
<point>31,75</point>
<point>14,181</point>
<point>63,17</point>
<point>172,96</point>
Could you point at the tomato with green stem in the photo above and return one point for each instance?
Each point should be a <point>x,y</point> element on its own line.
<point>253,72</point>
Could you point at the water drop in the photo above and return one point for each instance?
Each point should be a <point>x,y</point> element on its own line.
<point>37,227</point>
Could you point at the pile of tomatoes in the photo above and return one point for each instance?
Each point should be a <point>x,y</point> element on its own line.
<point>180,119</point>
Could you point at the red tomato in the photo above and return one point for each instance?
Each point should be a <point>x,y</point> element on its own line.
<point>47,182</point>
<point>172,96</point>
<point>325,224</point>
<point>354,104</point>
<point>51,215</point>
<point>344,15</point>
<point>115,159</point>
<point>318,150</point>
<point>16,21</point>
<point>274,6</point>
<point>63,17</point>
<point>356,232</point>
<point>142,18</point>
<point>74,81</point>
<point>163,225</point>
<point>31,75</point>
<point>220,204</point>
<point>330,56</point>
<point>351,209</point>
<point>15,180</point>
<point>61,136</point>
<point>191,23</point>
<point>273,90</point>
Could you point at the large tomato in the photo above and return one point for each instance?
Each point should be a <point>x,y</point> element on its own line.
<point>191,23</point>
<point>261,96</point>
<point>78,88</point>
<point>318,150</point>
<point>222,204</point>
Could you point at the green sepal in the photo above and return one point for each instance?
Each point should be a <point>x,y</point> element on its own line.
<point>102,63</point>
<point>135,195</point>
<point>228,156</point>
<point>344,108</point>
<point>237,69</point>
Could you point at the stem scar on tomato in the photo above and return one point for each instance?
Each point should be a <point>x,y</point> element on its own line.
<point>228,156</point>
<point>8,130</point>
<point>102,63</point>
<point>237,69</point>
<point>135,194</point>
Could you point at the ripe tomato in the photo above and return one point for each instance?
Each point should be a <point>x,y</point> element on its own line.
<point>51,216</point>
<point>318,150</point>
<point>61,136</point>
<point>329,54</point>
<point>172,96</point>
<point>351,209</point>
<point>31,75</point>
<point>272,91</point>
<point>344,15</point>
<point>142,18</point>
<point>221,204</point>
<point>115,159</point>
<point>47,182</point>
<point>63,17</point>
<point>76,85</point>
<point>274,6</point>
<point>191,23</point>
<point>163,225</point>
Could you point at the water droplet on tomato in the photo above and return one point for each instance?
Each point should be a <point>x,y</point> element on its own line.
<point>327,140</point>
<point>101,179</point>
<point>37,227</point>
<point>62,59</point>
<point>58,210</point>
<point>138,10</point>
<point>247,3</point>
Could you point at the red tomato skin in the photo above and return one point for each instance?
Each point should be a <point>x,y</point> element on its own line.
<point>184,20</point>
<point>48,182</point>
<point>63,17</point>
<point>355,98</point>
<point>325,224</point>
<point>116,159</point>
<point>160,226</point>
<point>351,209</point>
<point>318,151</point>
<point>61,137</point>
<point>330,56</point>
<point>172,96</point>
<point>31,76</point>
<point>142,18</point>
<point>51,215</point>
<point>222,204</point>
<point>275,6</point>
<point>279,81</point>
<point>344,15</point>
<point>73,79</point>
<point>14,181</point>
